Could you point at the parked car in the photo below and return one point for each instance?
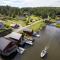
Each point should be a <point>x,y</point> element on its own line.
<point>7,47</point>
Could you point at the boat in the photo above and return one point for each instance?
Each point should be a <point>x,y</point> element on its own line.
<point>36,34</point>
<point>44,52</point>
<point>20,50</point>
<point>29,42</point>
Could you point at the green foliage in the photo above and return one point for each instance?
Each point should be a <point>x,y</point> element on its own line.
<point>39,11</point>
<point>7,26</point>
<point>1,30</point>
<point>58,25</point>
<point>53,20</point>
<point>37,26</point>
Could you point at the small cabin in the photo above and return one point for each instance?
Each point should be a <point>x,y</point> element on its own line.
<point>7,47</point>
<point>15,26</point>
<point>28,31</point>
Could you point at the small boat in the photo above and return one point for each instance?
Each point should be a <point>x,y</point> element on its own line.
<point>44,52</point>
<point>20,50</point>
<point>29,42</point>
<point>36,34</point>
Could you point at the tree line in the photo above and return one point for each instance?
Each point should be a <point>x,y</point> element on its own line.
<point>38,11</point>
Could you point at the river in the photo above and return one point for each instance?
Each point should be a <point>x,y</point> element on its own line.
<point>50,36</point>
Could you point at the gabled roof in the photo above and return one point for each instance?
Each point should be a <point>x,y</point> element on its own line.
<point>27,30</point>
<point>3,43</point>
<point>14,35</point>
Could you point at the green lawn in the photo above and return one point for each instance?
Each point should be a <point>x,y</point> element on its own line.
<point>58,25</point>
<point>37,26</point>
<point>26,21</point>
<point>53,20</point>
<point>20,22</point>
<point>36,18</point>
<point>34,27</point>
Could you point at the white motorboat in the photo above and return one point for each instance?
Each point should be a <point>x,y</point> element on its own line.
<point>20,50</point>
<point>44,52</point>
<point>29,42</point>
<point>37,35</point>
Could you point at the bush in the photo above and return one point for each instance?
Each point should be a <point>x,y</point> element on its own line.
<point>7,26</point>
<point>4,32</point>
<point>58,25</point>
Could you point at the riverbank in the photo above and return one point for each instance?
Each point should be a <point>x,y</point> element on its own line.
<point>50,37</point>
<point>37,26</point>
<point>56,24</point>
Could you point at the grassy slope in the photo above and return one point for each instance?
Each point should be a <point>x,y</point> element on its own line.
<point>37,26</point>
<point>22,23</point>
<point>58,25</point>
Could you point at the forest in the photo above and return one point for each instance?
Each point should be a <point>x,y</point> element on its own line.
<point>38,11</point>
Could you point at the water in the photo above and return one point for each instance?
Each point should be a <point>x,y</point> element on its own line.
<point>58,21</point>
<point>50,37</point>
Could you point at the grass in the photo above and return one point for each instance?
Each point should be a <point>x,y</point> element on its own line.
<point>37,26</point>
<point>1,30</point>
<point>20,22</point>
<point>53,20</point>
<point>4,32</point>
<point>30,19</point>
<point>34,27</point>
<point>58,25</point>
<point>34,17</point>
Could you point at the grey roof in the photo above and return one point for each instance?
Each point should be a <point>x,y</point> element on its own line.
<point>14,35</point>
<point>28,30</point>
<point>3,43</point>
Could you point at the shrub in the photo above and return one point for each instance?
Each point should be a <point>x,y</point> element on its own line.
<point>58,25</point>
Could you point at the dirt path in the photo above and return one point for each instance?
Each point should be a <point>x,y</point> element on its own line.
<point>21,28</point>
